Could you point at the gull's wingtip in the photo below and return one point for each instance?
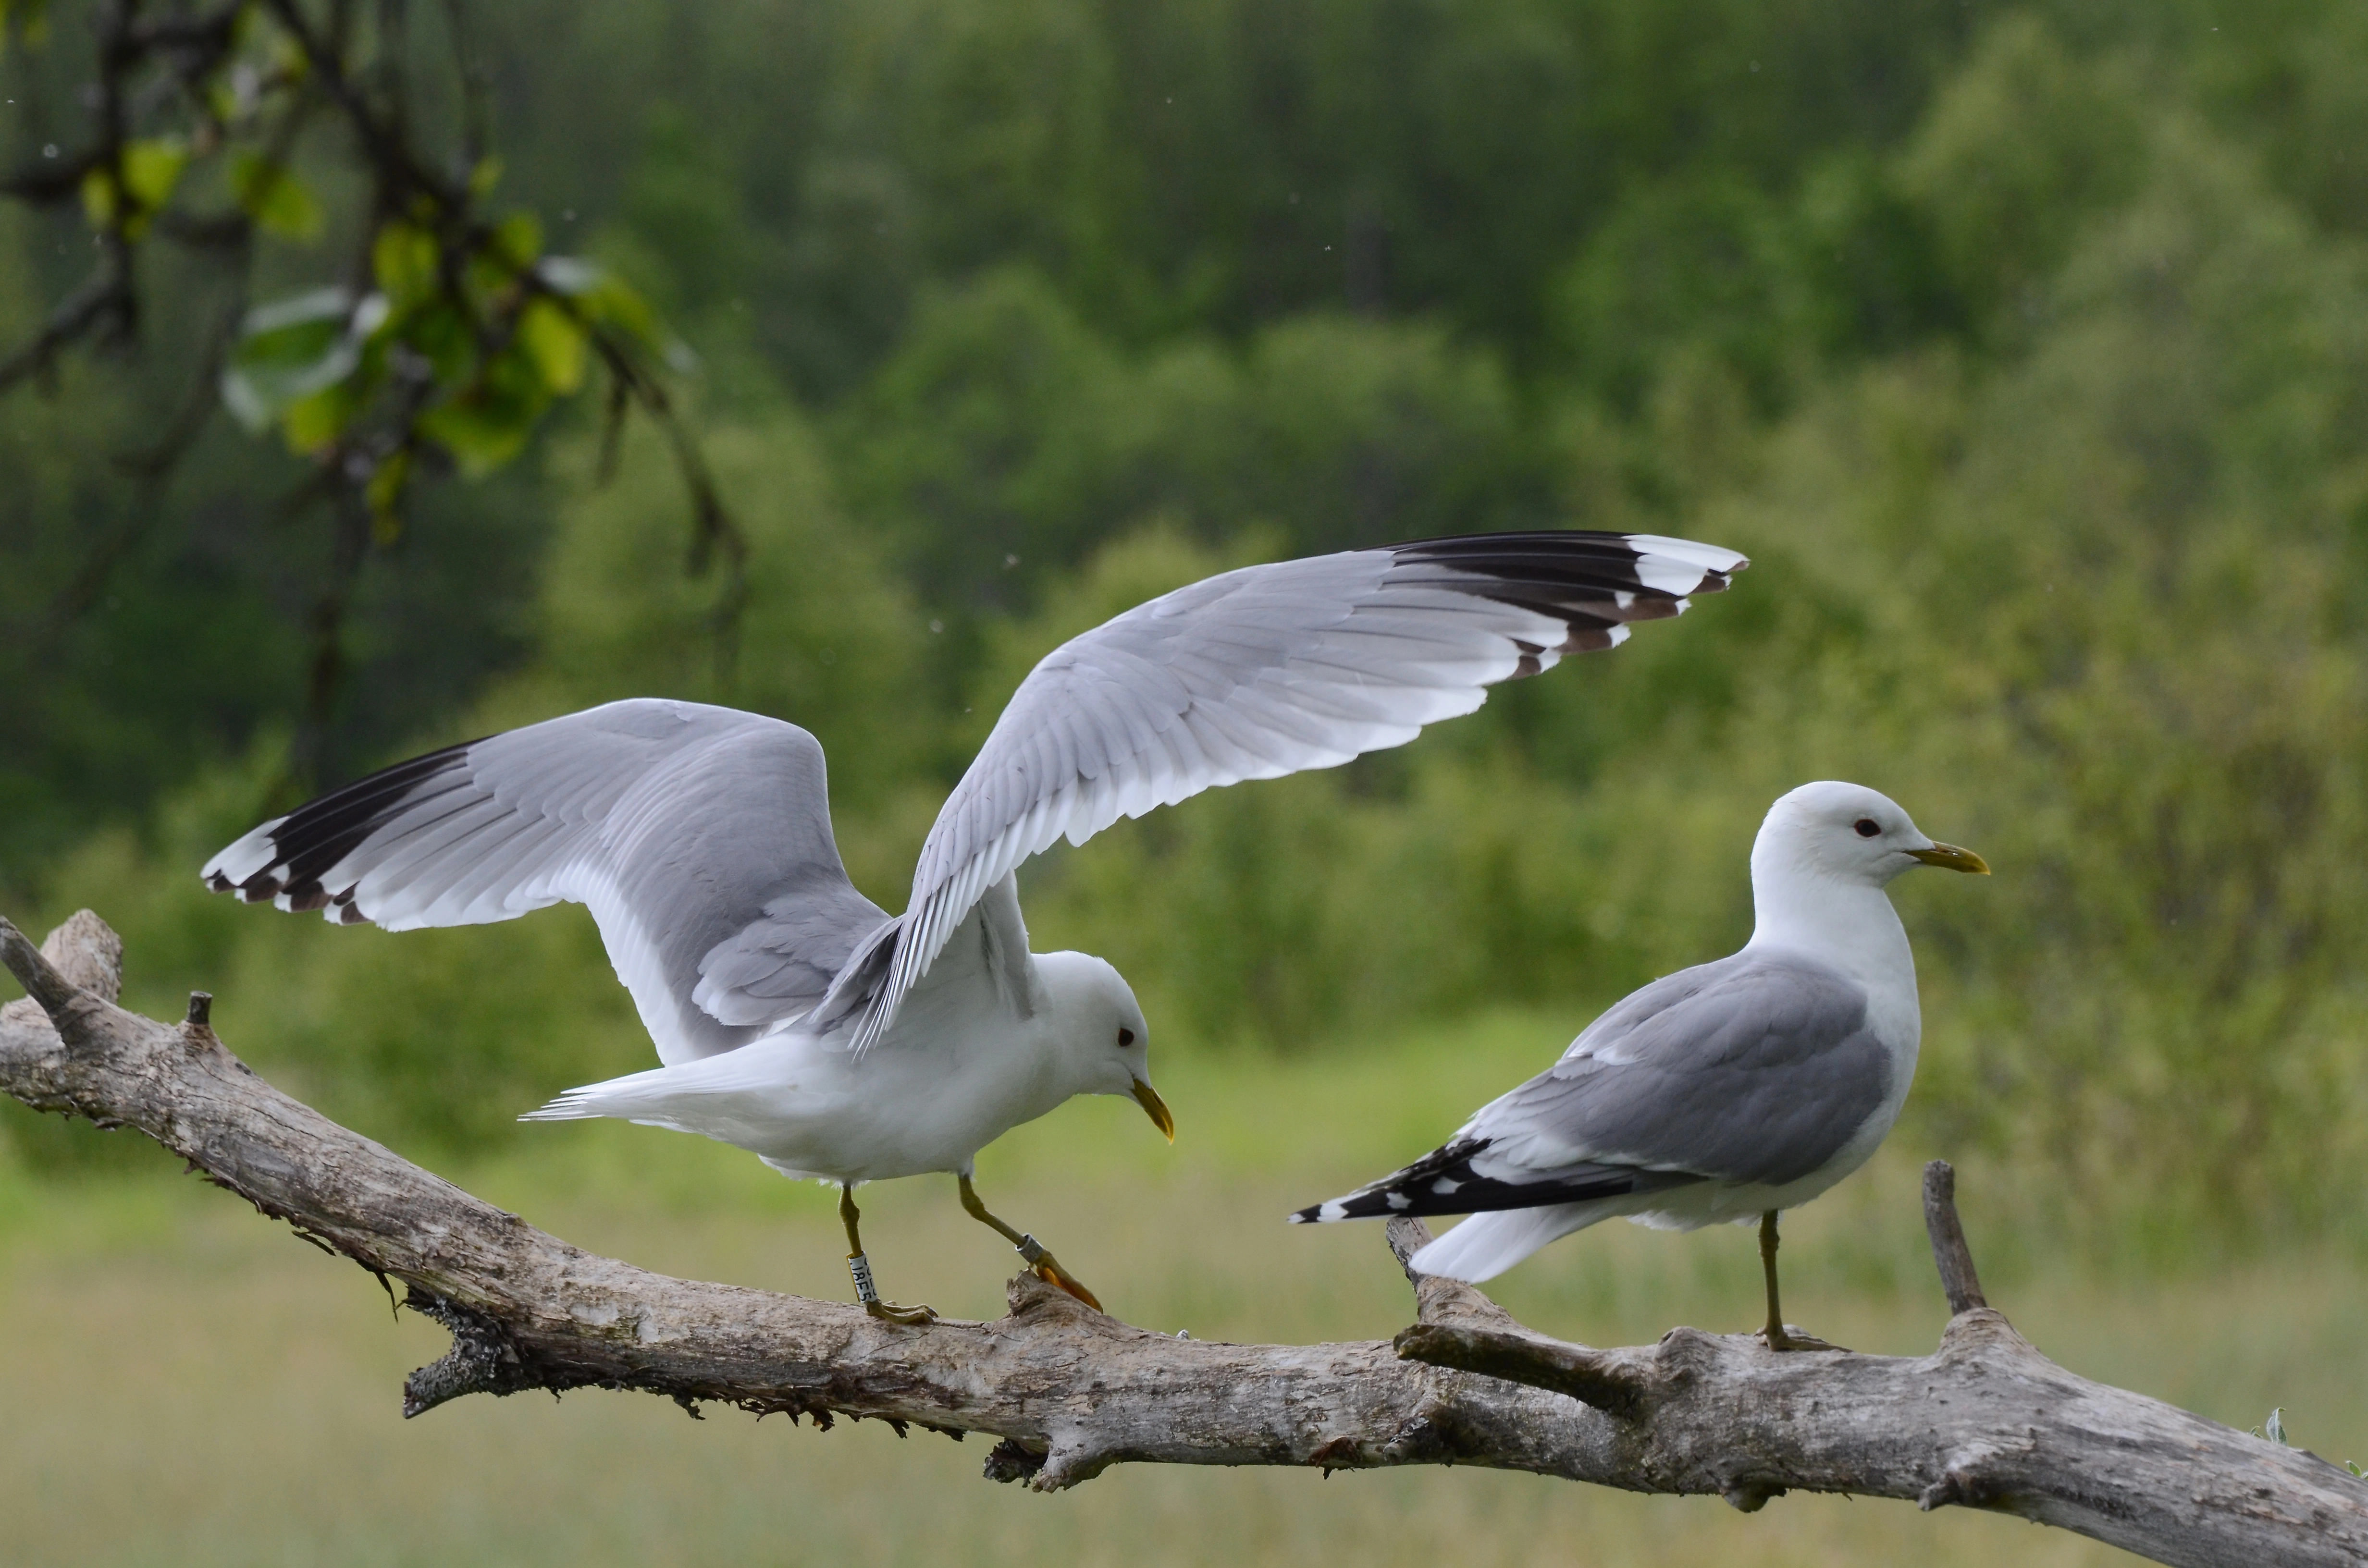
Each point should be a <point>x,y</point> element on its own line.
<point>237,862</point>
<point>572,1106</point>
<point>1710,557</point>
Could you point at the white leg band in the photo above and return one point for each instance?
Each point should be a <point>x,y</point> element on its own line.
<point>860,1267</point>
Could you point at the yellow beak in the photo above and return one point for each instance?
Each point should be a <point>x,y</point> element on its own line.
<point>1155,1108</point>
<point>1949,857</point>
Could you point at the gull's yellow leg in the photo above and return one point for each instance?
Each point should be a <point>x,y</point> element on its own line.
<point>1041,1262</point>
<point>1778,1337</point>
<point>1774,1333</point>
<point>860,1267</point>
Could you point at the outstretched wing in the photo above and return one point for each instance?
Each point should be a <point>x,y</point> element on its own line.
<point>699,836</point>
<point>1267,671</point>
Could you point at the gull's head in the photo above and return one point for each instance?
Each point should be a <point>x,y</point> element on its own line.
<point>1103,1042</point>
<point>1846,832</point>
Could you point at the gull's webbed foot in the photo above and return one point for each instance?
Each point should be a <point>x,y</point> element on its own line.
<point>1040,1262</point>
<point>1047,1269</point>
<point>889,1311</point>
<point>868,1294</point>
<point>1785,1336</point>
<point>860,1267</point>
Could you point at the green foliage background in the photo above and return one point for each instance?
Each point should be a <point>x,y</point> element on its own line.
<point>2024,348</point>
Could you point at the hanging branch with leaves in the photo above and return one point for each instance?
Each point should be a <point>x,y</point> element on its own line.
<point>443,331</point>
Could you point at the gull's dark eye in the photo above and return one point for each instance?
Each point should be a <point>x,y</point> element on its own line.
<point>1867,827</point>
<point>1125,1038</point>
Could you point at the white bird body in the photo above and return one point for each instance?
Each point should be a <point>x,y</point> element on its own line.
<point>1727,1092</point>
<point>960,1066</point>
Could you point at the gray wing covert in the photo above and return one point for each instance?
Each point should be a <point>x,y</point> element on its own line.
<point>699,836</point>
<point>1757,1068</point>
<point>1266,671</point>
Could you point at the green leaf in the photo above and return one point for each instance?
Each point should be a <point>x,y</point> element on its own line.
<point>571,275</point>
<point>28,18</point>
<point>152,168</point>
<point>601,298</point>
<point>293,349</point>
<point>489,423</point>
<point>482,433</point>
<point>517,240</point>
<point>403,258</point>
<point>275,199</point>
<point>130,193</point>
<point>439,332</point>
<point>384,491</point>
<point>99,202</point>
<point>311,423</point>
<point>553,340</point>
<point>485,176</point>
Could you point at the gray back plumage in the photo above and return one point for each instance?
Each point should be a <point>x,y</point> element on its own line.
<point>1757,1068</point>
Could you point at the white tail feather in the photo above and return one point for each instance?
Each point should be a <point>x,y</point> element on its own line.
<point>1486,1244</point>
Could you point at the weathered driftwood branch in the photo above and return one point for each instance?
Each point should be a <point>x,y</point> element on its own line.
<point>1985,1421</point>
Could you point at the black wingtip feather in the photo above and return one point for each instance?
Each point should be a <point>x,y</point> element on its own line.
<point>315,837</point>
<point>1443,1182</point>
<point>1589,581</point>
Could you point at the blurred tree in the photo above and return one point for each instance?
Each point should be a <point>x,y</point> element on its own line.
<point>2021,346</point>
<point>1005,439</point>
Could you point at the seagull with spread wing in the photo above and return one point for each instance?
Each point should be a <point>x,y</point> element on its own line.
<point>796,1019</point>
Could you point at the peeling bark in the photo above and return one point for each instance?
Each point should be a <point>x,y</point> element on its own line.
<point>1983,1421</point>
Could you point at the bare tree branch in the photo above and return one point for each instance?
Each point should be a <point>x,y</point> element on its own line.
<point>1950,1256</point>
<point>1983,1421</point>
<point>104,301</point>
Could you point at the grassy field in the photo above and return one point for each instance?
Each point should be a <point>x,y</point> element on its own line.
<point>191,1386</point>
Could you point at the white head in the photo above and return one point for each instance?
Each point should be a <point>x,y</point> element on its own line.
<point>1098,1033</point>
<point>1832,832</point>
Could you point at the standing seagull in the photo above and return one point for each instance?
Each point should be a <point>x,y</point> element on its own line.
<point>1733,1089</point>
<point>796,1019</point>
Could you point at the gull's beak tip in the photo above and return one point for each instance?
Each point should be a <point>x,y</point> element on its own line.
<point>1155,1108</point>
<point>1949,857</point>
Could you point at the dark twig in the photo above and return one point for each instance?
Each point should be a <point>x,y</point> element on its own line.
<point>476,93</point>
<point>103,303</point>
<point>399,171</point>
<point>52,180</point>
<point>1605,1380</point>
<point>713,531</point>
<point>1951,1256</point>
